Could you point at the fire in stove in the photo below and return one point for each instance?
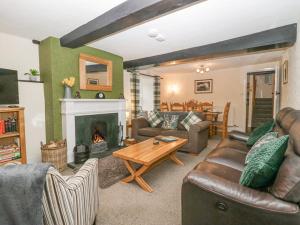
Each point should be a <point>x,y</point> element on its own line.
<point>97,137</point>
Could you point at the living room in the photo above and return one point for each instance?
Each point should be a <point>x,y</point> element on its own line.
<point>91,89</point>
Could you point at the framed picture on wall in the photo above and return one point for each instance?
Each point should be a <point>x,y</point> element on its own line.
<point>285,75</point>
<point>203,86</point>
<point>92,81</point>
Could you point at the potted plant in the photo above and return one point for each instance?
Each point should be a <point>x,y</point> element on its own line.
<point>33,74</point>
<point>68,83</point>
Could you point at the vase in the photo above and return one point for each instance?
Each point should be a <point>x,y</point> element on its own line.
<point>34,78</point>
<point>68,92</point>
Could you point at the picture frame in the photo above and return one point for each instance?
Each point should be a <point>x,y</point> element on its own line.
<point>203,86</point>
<point>92,81</point>
<point>285,75</point>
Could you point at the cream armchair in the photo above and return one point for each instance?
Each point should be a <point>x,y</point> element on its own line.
<point>71,200</point>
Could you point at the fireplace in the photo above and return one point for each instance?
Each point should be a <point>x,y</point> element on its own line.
<point>100,132</point>
<point>106,114</point>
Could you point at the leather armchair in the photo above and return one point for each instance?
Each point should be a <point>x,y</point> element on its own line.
<point>211,193</point>
<point>238,135</point>
<point>209,199</point>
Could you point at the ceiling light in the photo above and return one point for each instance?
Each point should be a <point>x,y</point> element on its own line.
<point>160,38</point>
<point>202,69</point>
<point>153,33</point>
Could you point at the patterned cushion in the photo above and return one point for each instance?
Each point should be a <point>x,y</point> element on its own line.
<point>258,132</point>
<point>263,166</point>
<point>170,122</point>
<point>263,140</point>
<point>189,120</point>
<point>154,118</point>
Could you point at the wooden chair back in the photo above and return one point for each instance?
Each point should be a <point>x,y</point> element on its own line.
<point>191,105</point>
<point>225,119</point>
<point>177,107</point>
<point>207,106</point>
<point>199,107</point>
<point>164,107</point>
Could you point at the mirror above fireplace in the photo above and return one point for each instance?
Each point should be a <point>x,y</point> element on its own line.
<point>95,73</point>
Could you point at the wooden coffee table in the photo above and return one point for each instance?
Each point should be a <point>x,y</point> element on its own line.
<point>149,155</point>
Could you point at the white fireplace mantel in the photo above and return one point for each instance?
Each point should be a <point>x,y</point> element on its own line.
<point>70,108</point>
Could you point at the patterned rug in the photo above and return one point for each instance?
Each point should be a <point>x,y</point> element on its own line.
<point>111,171</point>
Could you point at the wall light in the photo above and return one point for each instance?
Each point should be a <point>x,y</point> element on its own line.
<point>173,89</point>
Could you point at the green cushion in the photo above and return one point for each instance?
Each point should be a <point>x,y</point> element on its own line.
<point>258,132</point>
<point>170,122</point>
<point>264,164</point>
<point>263,140</point>
<point>154,118</point>
<point>189,120</point>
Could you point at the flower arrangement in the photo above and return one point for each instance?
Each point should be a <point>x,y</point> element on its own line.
<point>70,81</point>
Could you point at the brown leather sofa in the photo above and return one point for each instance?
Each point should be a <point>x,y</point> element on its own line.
<point>197,135</point>
<point>212,195</point>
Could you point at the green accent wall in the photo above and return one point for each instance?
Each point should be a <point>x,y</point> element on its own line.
<point>57,63</point>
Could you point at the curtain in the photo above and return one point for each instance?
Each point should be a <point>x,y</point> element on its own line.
<point>156,93</point>
<point>135,94</point>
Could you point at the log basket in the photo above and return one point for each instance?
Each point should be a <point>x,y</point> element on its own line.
<point>55,153</point>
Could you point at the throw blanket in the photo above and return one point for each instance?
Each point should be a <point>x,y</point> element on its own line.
<point>21,189</point>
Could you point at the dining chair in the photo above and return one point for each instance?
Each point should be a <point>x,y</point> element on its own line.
<point>191,105</point>
<point>164,107</point>
<point>177,107</point>
<point>207,106</point>
<point>222,126</point>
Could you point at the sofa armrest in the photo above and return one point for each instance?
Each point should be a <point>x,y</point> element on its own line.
<point>238,193</point>
<point>200,126</point>
<point>238,135</point>
<point>137,124</point>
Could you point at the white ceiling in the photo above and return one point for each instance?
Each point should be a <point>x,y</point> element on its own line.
<point>200,24</point>
<point>203,23</point>
<point>39,19</point>
<point>219,63</point>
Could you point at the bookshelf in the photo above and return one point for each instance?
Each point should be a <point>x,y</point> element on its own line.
<point>15,137</point>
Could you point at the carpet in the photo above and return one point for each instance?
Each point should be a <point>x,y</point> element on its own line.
<point>128,204</point>
<point>111,171</point>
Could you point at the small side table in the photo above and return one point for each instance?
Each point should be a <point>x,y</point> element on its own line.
<point>130,141</point>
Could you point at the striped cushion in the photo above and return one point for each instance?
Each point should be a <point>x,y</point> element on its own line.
<point>71,200</point>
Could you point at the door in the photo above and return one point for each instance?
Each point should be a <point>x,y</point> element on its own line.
<point>260,98</point>
<point>277,91</point>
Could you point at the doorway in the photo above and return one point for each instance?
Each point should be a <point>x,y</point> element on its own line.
<point>260,98</point>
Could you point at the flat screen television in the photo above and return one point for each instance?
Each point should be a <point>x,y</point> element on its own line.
<point>9,92</point>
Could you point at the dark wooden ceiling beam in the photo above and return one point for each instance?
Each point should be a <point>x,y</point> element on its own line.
<point>121,17</point>
<point>279,37</point>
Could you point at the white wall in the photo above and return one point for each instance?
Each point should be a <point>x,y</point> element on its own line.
<point>291,90</point>
<point>228,85</point>
<point>21,54</point>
